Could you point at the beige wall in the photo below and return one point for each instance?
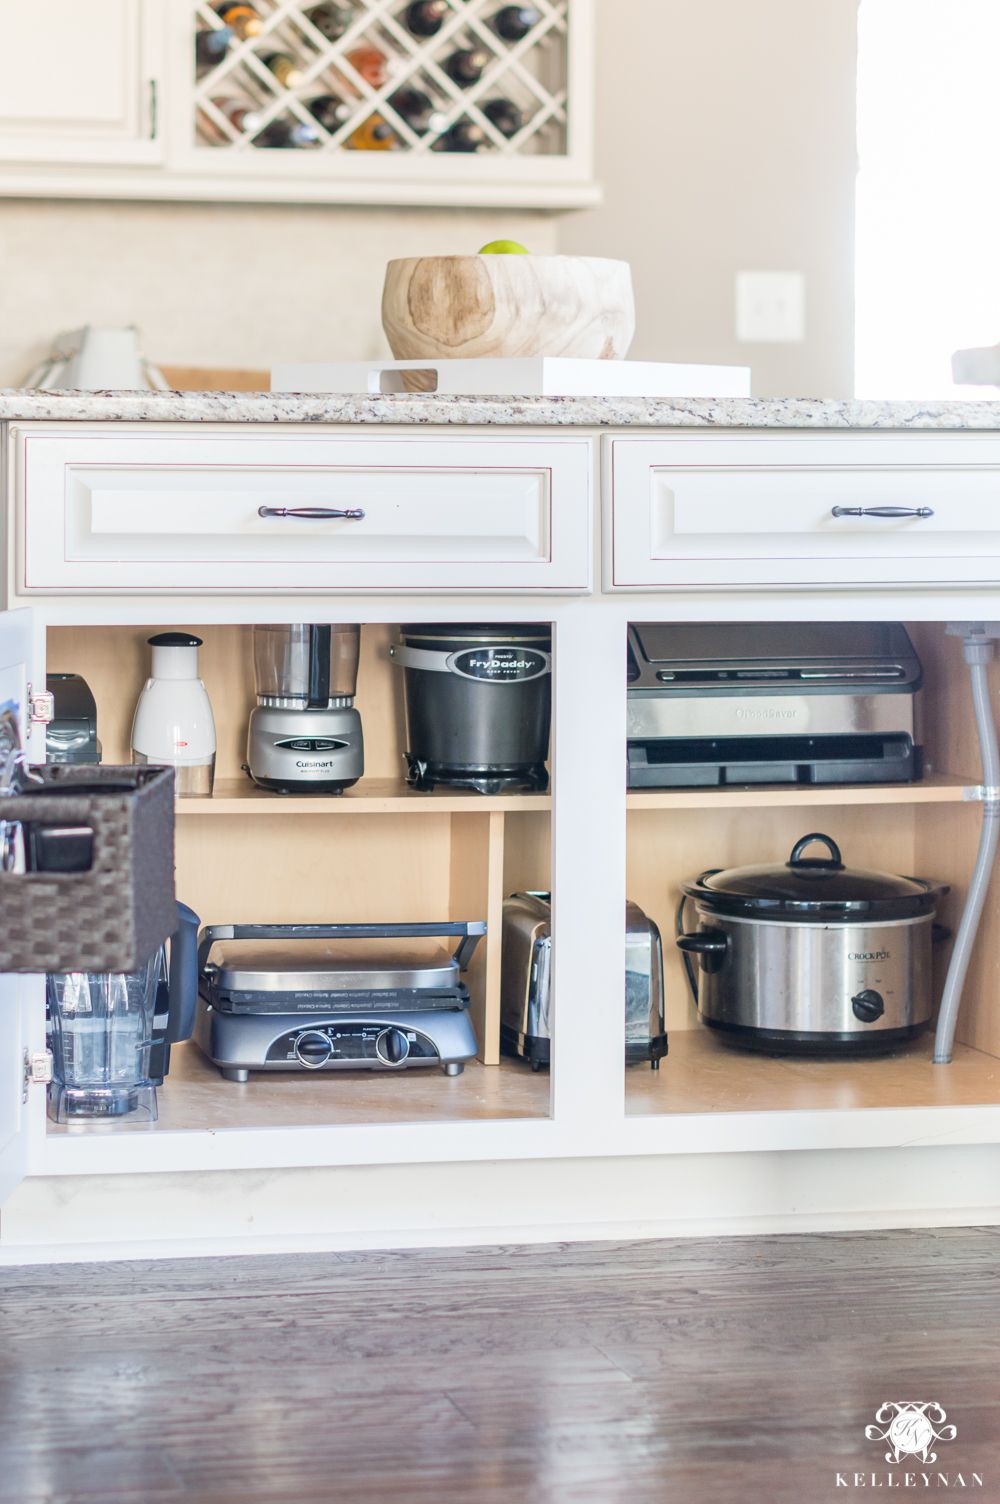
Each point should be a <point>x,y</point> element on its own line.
<point>726,142</point>
<point>228,285</point>
<point>725,139</point>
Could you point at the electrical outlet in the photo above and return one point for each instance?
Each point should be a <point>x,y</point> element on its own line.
<point>770,307</point>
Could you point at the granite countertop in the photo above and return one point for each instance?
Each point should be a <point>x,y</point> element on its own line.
<point>427,408</point>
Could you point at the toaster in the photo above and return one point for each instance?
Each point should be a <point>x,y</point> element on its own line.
<point>526,983</point>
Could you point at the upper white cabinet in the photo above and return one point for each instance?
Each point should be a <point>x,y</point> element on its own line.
<point>800,510</point>
<point>116,512</point>
<point>79,81</point>
<point>107,98</point>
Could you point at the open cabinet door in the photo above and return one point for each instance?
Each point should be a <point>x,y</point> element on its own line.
<point>18,994</point>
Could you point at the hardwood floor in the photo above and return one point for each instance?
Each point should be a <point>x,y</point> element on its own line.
<point>698,1372</point>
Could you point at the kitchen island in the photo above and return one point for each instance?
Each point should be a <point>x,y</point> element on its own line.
<point>130,512</point>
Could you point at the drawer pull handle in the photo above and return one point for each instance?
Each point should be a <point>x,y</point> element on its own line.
<point>883,512</point>
<point>352,514</point>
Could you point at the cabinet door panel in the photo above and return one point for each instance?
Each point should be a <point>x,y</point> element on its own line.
<point>18,995</point>
<point>78,80</point>
<point>803,509</point>
<point>106,514</point>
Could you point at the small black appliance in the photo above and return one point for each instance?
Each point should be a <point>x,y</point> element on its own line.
<point>478,705</point>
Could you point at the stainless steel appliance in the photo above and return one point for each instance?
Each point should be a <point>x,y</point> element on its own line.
<point>305,734</point>
<point>525,982</point>
<point>280,997</point>
<point>772,702</point>
<point>812,956</point>
<point>71,735</point>
<point>478,703</point>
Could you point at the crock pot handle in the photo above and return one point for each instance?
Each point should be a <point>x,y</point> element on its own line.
<point>710,946</point>
<point>796,859</point>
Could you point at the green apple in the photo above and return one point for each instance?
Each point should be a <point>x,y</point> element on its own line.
<point>504,248</point>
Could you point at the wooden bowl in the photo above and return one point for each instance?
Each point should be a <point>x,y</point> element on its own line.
<point>473,307</point>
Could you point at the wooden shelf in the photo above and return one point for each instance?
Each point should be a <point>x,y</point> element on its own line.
<point>194,1096</point>
<point>942,788</point>
<point>702,1074</point>
<point>371,796</point>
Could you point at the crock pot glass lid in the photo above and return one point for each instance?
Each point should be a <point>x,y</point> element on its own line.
<point>817,881</point>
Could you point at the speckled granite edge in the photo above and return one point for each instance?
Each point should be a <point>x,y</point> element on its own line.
<point>420,409</point>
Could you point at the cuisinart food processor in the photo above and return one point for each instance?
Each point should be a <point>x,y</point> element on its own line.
<point>305,735</point>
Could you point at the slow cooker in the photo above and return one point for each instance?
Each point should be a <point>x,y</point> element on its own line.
<point>812,956</point>
<point>478,704</point>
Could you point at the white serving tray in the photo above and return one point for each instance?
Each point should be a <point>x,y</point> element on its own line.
<point>539,376</point>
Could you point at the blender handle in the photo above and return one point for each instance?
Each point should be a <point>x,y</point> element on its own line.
<point>183,978</point>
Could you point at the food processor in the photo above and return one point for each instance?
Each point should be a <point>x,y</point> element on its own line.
<point>305,735</point>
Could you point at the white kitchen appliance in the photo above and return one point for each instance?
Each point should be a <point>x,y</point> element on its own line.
<point>93,359</point>
<point>174,726</point>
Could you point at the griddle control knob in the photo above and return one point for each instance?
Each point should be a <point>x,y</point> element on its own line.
<point>313,1049</point>
<point>392,1047</point>
<point>868,1006</point>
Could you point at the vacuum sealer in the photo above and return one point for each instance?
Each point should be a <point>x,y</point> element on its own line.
<point>771,702</point>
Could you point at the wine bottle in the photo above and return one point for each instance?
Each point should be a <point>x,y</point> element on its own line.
<point>285,69</point>
<point>425,17</point>
<point>330,110</point>
<point>330,20</point>
<point>465,135</point>
<point>240,113</point>
<point>282,134</point>
<point>465,67</point>
<point>371,62</point>
<point>504,114</point>
<point>374,134</point>
<point>513,22</point>
<point>242,19</point>
<point>211,46</point>
<point>417,109</point>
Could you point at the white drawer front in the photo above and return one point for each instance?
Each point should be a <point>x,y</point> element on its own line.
<point>106,513</point>
<point>755,511</point>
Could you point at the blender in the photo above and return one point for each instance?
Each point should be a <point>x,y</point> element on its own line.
<point>110,1031</point>
<point>305,735</point>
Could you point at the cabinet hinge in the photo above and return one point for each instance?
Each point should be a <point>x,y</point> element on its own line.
<point>41,705</point>
<point>37,1070</point>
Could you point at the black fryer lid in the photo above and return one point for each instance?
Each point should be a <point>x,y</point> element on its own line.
<point>814,887</point>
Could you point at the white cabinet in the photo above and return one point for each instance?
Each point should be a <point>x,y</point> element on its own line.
<point>802,510</point>
<point>104,513</point>
<point>20,1010</point>
<point>80,81</point>
<point>102,98</point>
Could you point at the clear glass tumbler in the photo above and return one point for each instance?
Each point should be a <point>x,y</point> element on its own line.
<point>101,1027</point>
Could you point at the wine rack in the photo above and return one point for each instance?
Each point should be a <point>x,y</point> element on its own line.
<point>378,87</point>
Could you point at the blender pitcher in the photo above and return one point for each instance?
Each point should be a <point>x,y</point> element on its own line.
<point>101,1030</point>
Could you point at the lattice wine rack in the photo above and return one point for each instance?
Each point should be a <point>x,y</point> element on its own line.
<point>431,80</point>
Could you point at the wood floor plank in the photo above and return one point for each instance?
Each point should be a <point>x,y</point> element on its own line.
<point>698,1371</point>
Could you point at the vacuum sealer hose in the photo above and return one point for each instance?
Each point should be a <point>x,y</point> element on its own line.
<point>978,649</point>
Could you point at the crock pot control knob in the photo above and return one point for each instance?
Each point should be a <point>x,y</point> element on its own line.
<point>392,1046</point>
<point>868,1006</point>
<point>710,946</point>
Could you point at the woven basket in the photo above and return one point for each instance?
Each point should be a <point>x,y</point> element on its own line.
<point>113,917</point>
